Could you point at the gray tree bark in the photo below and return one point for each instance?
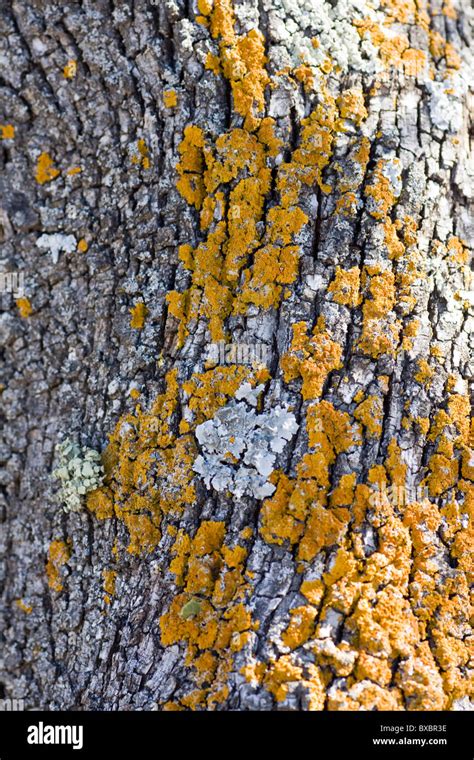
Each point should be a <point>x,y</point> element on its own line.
<point>90,153</point>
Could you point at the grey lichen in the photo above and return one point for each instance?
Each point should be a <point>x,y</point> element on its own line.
<point>239,446</point>
<point>79,470</point>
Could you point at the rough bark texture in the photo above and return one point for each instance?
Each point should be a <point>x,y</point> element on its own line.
<point>326,200</point>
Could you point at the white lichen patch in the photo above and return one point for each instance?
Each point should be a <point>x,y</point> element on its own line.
<point>239,446</point>
<point>79,470</point>
<point>330,25</point>
<point>445,106</point>
<point>57,243</point>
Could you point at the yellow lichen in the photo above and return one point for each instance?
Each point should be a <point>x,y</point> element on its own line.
<point>170,98</point>
<point>345,287</point>
<point>139,313</point>
<point>311,358</point>
<point>45,169</point>
<point>142,155</point>
<point>24,307</point>
<point>243,60</point>
<point>109,579</point>
<point>26,608</point>
<point>425,373</point>
<point>70,69</point>
<point>7,131</point>
<point>59,554</point>
<point>370,415</point>
<point>301,626</point>
<point>218,624</point>
<point>380,330</point>
<point>352,106</point>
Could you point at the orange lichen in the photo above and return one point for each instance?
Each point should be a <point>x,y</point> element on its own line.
<point>410,331</point>
<point>219,263</point>
<point>347,204</point>
<point>82,245</point>
<point>142,156</point>
<point>109,580</point>
<point>59,554</point>
<point>26,608</point>
<point>139,313</point>
<point>7,131</point>
<point>343,494</point>
<point>314,152</point>
<point>209,391</point>
<point>280,675</point>
<point>312,358</point>
<point>381,191</point>
<point>213,63</point>
<point>190,166</point>
<point>305,75</point>
<point>297,511</point>
<point>380,330</point>
<point>458,251</point>
<point>170,98</point>
<point>70,69</point>
<point>345,287</point>
<point>370,415</point>
<point>236,266</point>
<point>394,245</point>
<point>352,106</point>
<point>301,626</point>
<point>148,471</point>
<point>424,374</point>
<point>384,626</point>
<point>394,49</point>
<point>24,307</point>
<point>45,169</point>
<point>449,10</point>
<point>329,428</point>
<point>144,532</point>
<point>100,503</point>
<point>208,616</point>
<point>243,60</point>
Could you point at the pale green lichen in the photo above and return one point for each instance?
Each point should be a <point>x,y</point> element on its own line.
<point>79,470</point>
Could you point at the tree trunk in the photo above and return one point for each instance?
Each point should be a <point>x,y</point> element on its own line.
<point>200,200</point>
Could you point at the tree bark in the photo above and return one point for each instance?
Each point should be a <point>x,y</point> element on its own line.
<point>326,201</point>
